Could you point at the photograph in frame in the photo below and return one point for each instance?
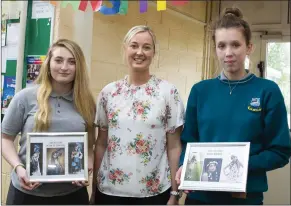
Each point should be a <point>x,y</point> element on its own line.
<point>57,157</point>
<point>36,156</point>
<point>215,167</point>
<point>55,161</point>
<point>76,159</point>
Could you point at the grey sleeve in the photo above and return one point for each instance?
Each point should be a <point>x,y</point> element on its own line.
<point>13,118</point>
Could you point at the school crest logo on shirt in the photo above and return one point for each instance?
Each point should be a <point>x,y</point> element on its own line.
<point>255,105</point>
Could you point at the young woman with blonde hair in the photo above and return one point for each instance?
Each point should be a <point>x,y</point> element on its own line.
<point>60,101</point>
<point>139,120</point>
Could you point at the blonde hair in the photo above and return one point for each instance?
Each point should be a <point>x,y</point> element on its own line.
<point>137,29</point>
<point>83,98</point>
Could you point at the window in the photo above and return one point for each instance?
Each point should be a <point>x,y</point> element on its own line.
<point>278,68</point>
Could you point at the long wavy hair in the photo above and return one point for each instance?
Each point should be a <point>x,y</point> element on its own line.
<point>83,98</point>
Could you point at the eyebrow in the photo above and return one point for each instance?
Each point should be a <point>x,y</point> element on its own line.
<point>60,57</point>
<point>134,42</point>
<point>223,42</point>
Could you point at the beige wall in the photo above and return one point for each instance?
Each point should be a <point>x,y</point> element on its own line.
<point>180,34</point>
<point>179,60</point>
<point>180,38</point>
<point>180,50</point>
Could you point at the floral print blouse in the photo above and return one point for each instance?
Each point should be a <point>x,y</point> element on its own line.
<point>137,118</point>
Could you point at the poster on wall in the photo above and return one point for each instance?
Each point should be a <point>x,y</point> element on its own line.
<point>3,32</point>
<point>10,50</point>
<point>13,33</point>
<point>41,10</point>
<point>8,92</point>
<point>33,68</point>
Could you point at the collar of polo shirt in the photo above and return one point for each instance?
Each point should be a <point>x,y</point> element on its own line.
<point>67,96</point>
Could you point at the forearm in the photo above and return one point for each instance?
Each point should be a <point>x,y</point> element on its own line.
<point>90,155</point>
<point>98,156</point>
<point>173,156</point>
<point>269,160</point>
<point>94,178</point>
<point>91,143</point>
<point>182,154</point>
<point>9,152</point>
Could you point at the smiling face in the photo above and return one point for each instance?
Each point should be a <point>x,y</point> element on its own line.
<point>231,49</point>
<point>212,167</point>
<point>139,51</point>
<point>62,66</point>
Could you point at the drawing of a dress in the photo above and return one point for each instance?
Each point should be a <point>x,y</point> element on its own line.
<point>34,162</point>
<point>232,170</point>
<point>77,156</point>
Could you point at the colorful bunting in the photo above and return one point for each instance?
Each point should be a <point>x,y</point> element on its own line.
<point>179,2</point>
<point>143,6</point>
<point>75,4</point>
<point>110,11</point>
<point>118,6</point>
<point>161,5</point>
<point>123,7</point>
<point>95,5</point>
<point>53,3</point>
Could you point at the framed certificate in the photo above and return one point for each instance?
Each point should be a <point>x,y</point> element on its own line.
<point>57,157</point>
<point>215,167</point>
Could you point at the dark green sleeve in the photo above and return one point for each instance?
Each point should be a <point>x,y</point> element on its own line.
<point>276,136</point>
<point>190,131</point>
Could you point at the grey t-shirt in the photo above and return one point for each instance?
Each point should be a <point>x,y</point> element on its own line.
<point>20,118</point>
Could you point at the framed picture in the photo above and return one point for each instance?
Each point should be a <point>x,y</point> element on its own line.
<point>57,157</point>
<point>215,167</point>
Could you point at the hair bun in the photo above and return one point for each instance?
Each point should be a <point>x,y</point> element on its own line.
<point>233,11</point>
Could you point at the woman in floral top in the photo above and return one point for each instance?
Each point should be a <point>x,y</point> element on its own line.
<point>139,121</point>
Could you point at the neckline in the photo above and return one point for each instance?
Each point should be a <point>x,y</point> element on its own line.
<point>245,79</point>
<point>67,96</point>
<point>132,86</point>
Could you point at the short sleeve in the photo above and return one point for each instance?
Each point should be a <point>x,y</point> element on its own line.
<point>175,112</point>
<point>101,119</point>
<point>14,116</point>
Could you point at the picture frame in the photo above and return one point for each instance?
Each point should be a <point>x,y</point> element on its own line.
<point>57,157</point>
<point>215,167</point>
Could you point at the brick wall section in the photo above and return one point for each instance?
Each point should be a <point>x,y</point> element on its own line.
<point>180,50</point>
<point>179,58</point>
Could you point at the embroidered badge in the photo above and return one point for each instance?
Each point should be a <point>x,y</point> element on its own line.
<point>255,105</point>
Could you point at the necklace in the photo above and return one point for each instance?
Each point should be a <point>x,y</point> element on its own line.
<point>240,81</point>
<point>231,89</point>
